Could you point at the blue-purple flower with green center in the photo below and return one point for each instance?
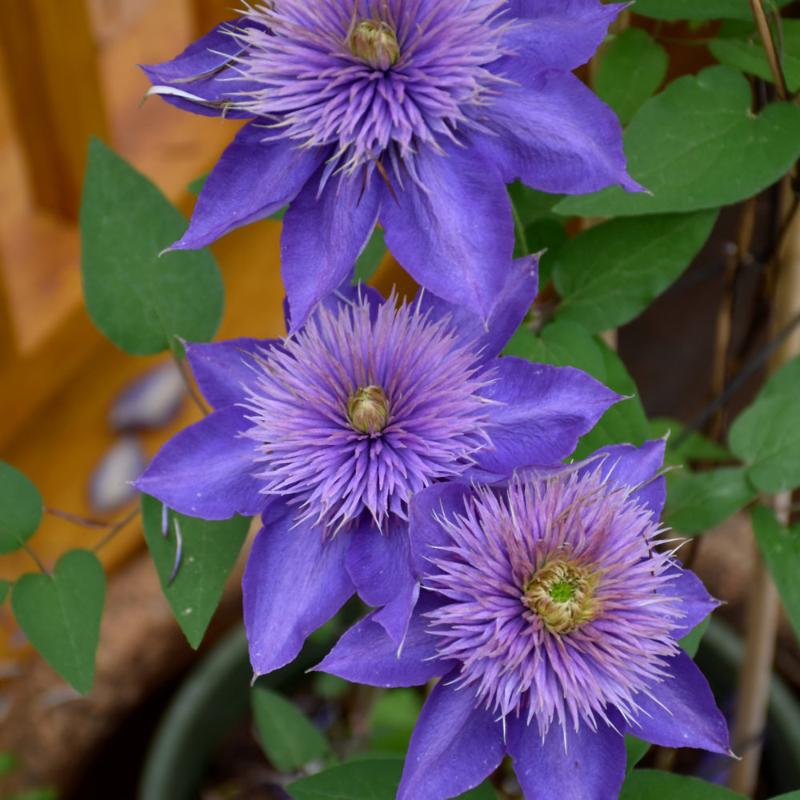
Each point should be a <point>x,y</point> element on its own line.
<point>414,113</point>
<point>552,614</point>
<point>330,433</point>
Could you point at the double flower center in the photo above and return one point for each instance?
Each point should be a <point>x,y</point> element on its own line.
<point>561,593</point>
<point>375,42</point>
<point>368,409</point>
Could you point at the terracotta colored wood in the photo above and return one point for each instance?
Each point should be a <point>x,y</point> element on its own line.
<point>208,13</point>
<point>51,74</point>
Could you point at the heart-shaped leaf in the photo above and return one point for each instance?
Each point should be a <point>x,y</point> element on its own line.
<point>700,9</point>
<point>652,785</point>
<point>60,614</point>
<point>20,508</point>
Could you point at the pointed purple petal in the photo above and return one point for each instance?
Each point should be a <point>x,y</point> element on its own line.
<point>582,765</point>
<point>223,370</point>
<point>697,602</point>
<point>453,232</point>
<point>455,746</point>
<point>379,564</point>
<point>541,413</point>
<point>558,34</point>
<point>686,714</point>
<point>323,236</point>
<point>626,465</point>
<point>508,312</point>
<point>294,582</point>
<point>206,470</point>
<point>253,179</point>
<point>366,654</point>
<point>555,135</point>
<point>425,533</point>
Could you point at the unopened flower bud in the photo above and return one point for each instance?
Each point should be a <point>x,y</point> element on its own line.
<point>368,409</point>
<point>375,42</point>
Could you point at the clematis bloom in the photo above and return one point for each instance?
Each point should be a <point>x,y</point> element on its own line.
<point>329,434</point>
<point>553,619</point>
<point>414,113</point>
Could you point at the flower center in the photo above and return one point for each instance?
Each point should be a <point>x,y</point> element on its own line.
<point>562,595</point>
<point>368,409</point>
<point>375,42</point>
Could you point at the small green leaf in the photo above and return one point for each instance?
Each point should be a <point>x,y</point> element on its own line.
<point>288,737</point>
<point>612,272</point>
<point>208,553</point>
<point>697,145</point>
<point>20,508</point>
<point>747,53</point>
<point>138,299</point>
<point>698,501</point>
<point>781,551</point>
<point>371,257</point>
<point>60,614</point>
<point>8,763</point>
<point>631,69</point>
<point>392,720</point>
<point>767,438</point>
<point>691,642</point>
<point>700,9</point>
<point>651,785</point>
<point>636,750</point>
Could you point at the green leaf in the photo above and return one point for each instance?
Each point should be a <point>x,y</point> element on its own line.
<point>331,687</point>
<point>35,794</point>
<point>631,69</point>
<point>767,438</point>
<point>790,796</point>
<point>700,500</point>
<point>8,763</point>
<point>289,738</point>
<point>781,551</point>
<point>209,552</point>
<point>393,718</point>
<point>691,642</point>
<point>138,299</point>
<point>698,145</point>
<point>699,9</point>
<point>695,447</point>
<point>612,272</point>
<point>636,750</point>
<point>651,785</point>
<point>21,508</point>
<point>60,614</point>
<point>785,382</point>
<point>5,587</point>
<point>364,779</point>
<point>747,53</point>
<point>371,257</point>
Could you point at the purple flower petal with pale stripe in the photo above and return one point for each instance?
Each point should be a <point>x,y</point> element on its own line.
<point>682,711</point>
<point>579,765</point>
<point>294,582</point>
<point>207,470</point>
<point>455,745</point>
<point>540,413</point>
<point>253,179</point>
<point>222,370</point>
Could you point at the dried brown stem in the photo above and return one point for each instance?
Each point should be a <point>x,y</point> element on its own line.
<point>117,528</point>
<point>762,24</point>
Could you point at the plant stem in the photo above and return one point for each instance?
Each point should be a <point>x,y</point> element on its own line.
<point>38,561</point>
<point>762,24</point>
<point>116,528</point>
<point>189,383</point>
<point>77,519</point>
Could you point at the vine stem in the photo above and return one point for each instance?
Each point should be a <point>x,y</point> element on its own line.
<point>764,600</point>
<point>188,381</point>
<point>38,561</point>
<point>116,528</point>
<point>764,32</point>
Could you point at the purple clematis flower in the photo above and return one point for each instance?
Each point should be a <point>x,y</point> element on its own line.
<point>553,621</point>
<point>331,432</point>
<point>413,113</point>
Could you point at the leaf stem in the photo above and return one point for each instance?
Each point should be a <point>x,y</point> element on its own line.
<point>116,528</point>
<point>762,24</point>
<point>77,519</point>
<point>35,558</point>
<point>189,383</point>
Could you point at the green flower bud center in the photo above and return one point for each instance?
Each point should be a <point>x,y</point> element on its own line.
<point>375,42</point>
<point>561,594</point>
<point>368,409</point>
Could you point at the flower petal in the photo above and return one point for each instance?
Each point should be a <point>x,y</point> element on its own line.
<point>223,370</point>
<point>379,564</point>
<point>323,236</point>
<point>295,581</point>
<point>685,713</point>
<point>541,413</point>
<point>452,230</point>
<point>626,465</point>
<point>206,470</point>
<point>697,603</point>
<point>455,745</point>
<point>579,765</point>
<point>509,310</point>
<point>425,533</point>
<point>555,135</point>
<point>202,79</point>
<point>366,654</point>
<point>253,179</point>
<point>558,34</point>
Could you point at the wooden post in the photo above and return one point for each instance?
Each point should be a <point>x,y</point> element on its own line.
<point>208,13</point>
<point>55,94</point>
